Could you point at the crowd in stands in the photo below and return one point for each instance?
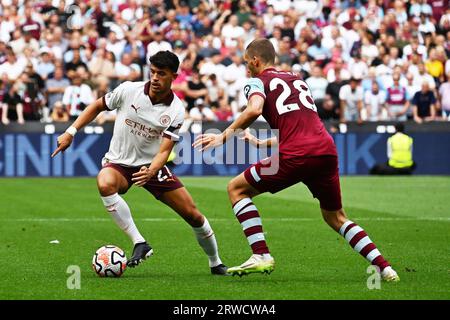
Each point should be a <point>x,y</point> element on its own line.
<point>364,60</point>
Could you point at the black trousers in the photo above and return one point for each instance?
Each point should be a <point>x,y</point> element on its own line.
<point>386,169</point>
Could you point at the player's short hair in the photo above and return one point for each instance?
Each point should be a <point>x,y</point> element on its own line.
<point>263,49</point>
<point>165,59</point>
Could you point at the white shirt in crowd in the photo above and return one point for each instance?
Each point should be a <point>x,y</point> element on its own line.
<point>123,70</point>
<point>421,50</point>
<point>76,95</point>
<point>331,75</point>
<point>204,114</point>
<point>318,86</point>
<point>374,104</point>
<point>13,70</point>
<point>231,75</point>
<point>280,5</point>
<point>419,79</point>
<point>358,69</point>
<point>351,99</point>
<point>154,46</point>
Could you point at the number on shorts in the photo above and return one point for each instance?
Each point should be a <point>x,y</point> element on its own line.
<point>162,177</point>
<point>304,96</point>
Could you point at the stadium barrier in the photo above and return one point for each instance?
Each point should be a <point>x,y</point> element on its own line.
<point>25,150</point>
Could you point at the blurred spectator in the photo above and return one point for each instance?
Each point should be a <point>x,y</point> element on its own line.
<point>23,40</point>
<point>423,77</point>
<point>397,100</point>
<point>285,54</point>
<point>102,85</point>
<point>411,87</point>
<point>374,104</point>
<point>32,98</point>
<point>59,113</point>
<point>332,92</point>
<point>371,77</point>
<point>55,87</point>
<point>126,70</point>
<point>303,67</point>
<point>223,112</point>
<point>318,52</point>
<point>419,7</point>
<point>369,51</point>
<point>102,88</point>
<point>329,109</point>
<point>233,76</point>
<point>74,63</point>
<point>424,104</point>
<point>12,107</point>
<point>31,22</point>
<point>435,67</point>
<point>414,47</point>
<point>444,95</point>
<point>425,25</point>
<point>351,101</point>
<point>100,65</point>
<point>213,65</point>
<point>158,44</point>
<point>232,31</point>
<point>318,86</point>
<point>194,89</point>
<point>215,91</point>
<point>338,71</point>
<point>77,97</point>
<point>357,67</point>
<point>13,67</point>
<point>200,112</point>
<point>45,65</point>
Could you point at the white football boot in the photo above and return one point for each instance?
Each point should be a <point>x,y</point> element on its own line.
<point>256,264</point>
<point>388,274</point>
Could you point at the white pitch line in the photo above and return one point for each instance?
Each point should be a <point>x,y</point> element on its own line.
<point>293,219</point>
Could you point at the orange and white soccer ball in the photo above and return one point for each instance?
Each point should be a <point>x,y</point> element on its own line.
<point>109,261</point>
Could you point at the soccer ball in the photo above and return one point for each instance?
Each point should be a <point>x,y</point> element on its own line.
<point>109,261</point>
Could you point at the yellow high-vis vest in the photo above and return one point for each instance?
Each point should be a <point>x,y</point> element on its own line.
<point>401,150</point>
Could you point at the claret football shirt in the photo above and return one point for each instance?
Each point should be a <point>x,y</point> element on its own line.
<point>290,108</point>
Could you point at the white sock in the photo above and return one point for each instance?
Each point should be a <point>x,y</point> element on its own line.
<point>121,214</point>
<point>207,240</point>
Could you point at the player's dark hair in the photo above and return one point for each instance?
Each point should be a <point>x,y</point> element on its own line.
<point>165,59</point>
<point>263,49</point>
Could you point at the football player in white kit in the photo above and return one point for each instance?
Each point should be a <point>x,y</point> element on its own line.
<point>145,131</point>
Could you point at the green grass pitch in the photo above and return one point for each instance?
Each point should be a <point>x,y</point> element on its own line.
<point>408,218</point>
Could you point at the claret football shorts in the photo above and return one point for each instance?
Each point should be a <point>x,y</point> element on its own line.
<point>320,174</point>
<point>162,182</point>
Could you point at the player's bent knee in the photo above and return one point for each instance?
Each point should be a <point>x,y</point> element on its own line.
<point>106,186</point>
<point>192,215</point>
<point>236,191</point>
<point>231,187</point>
<point>335,219</point>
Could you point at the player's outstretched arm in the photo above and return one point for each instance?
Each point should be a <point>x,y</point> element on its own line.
<point>141,177</point>
<point>248,116</point>
<point>257,142</point>
<point>88,114</point>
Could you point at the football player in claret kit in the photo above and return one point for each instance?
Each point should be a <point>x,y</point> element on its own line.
<point>145,131</point>
<point>307,154</point>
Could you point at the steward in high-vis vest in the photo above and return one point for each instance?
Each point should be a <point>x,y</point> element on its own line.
<point>400,150</point>
<point>400,154</point>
